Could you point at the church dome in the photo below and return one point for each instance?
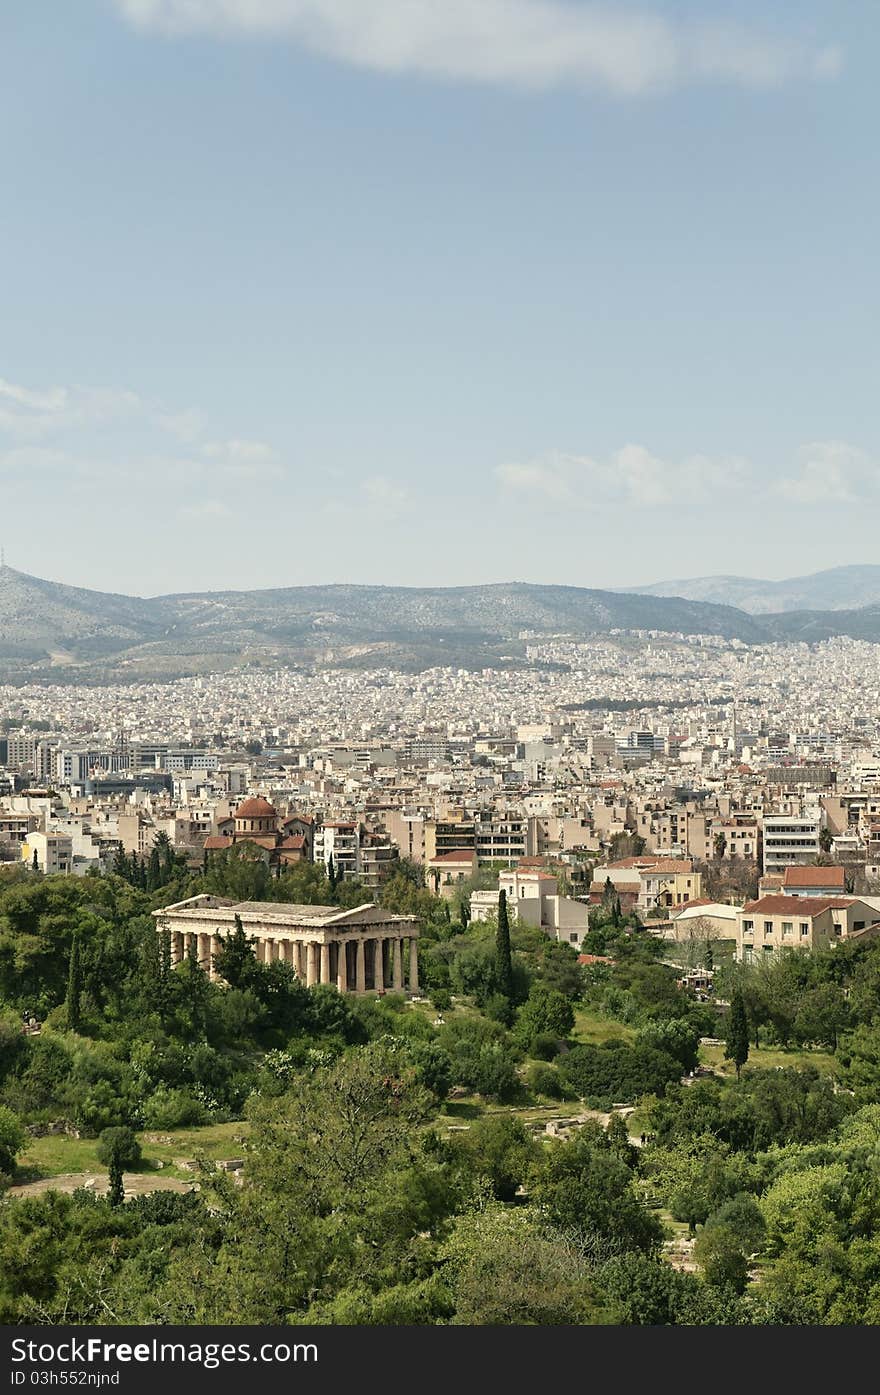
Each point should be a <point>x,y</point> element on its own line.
<point>256,809</point>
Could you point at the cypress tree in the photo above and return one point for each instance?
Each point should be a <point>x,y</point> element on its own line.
<point>331,877</point>
<point>503,960</point>
<point>737,1034</point>
<point>74,985</point>
<point>116,1193</point>
<point>154,876</point>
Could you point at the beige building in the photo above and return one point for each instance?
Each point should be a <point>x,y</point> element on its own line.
<point>533,899</point>
<point>445,871</point>
<point>702,920</point>
<point>54,852</point>
<point>359,950</point>
<point>773,923</point>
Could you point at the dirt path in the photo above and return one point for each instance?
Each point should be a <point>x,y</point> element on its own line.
<point>135,1183</point>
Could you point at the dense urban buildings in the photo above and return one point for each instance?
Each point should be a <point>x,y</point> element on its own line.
<point>677,770</point>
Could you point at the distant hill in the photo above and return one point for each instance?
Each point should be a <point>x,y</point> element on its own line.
<point>69,634</point>
<point>78,632</point>
<point>839,588</point>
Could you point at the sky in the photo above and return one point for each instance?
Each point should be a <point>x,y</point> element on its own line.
<point>421,293</point>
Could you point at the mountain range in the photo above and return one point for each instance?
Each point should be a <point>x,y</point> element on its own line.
<point>839,588</point>
<point>69,634</point>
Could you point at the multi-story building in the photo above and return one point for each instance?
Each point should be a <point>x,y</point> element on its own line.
<point>53,852</point>
<point>342,842</point>
<point>791,838</point>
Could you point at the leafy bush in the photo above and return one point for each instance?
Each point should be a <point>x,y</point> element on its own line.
<point>12,1138</point>
<point>543,1079</point>
<point>121,1144</point>
<point>616,1071</point>
<point>173,1109</point>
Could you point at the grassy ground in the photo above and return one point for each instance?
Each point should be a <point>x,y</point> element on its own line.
<point>56,1154</point>
<point>591,1026</point>
<point>768,1058</point>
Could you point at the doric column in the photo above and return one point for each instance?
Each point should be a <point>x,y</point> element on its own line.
<point>413,967</point>
<point>271,949</point>
<point>176,947</point>
<point>342,967</point>
<point>192,944</point>
<point>216,947</point>
<point>286,947</point>
<point>325,963</point>
<point>379,962</point>
<point>312,964</point>
<point>360,978</point>
<point>299,963</point>
<point>398,965</point>
<point>205,952</point>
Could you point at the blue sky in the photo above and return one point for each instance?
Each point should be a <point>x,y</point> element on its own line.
<point>301,291</point>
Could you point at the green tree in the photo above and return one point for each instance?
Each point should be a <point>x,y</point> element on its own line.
<point>236,960</point>
<point>546,1011</point>
<point>121,1144</point>
<point>719,1252</point>
<point>74,985</point>
<point>12,1139</point>
<point>503,957</point>
<point>737,1033</point>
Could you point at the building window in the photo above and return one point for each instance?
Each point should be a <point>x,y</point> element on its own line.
<point>748,927</point>
<point>768,927</point>
<point>805,929</point>
<point>787,927</point>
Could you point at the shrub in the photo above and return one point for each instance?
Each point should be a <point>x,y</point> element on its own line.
<point>173,1109</point>
<point>121,1144</point>
<point>12,1137</point>
<point>545,1080</point>
<point>615,1071</point>
<point>545,1046</point>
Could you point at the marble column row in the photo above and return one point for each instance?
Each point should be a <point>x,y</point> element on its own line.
<point>312,960</point>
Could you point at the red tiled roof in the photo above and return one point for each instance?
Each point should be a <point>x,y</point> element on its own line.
<point>831,877</point>
<point>216,841</point>
<point>457,855</point>
<point>258,808</point>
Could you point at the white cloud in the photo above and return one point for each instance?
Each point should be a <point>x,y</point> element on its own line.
<point>632,474</point>
<point>385,496</point>
<point>832,472</point>
<point>517,43</point>
<point>27,414</point>
<point>90,434</point>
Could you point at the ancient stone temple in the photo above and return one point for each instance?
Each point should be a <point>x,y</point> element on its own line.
<point>361,950</point>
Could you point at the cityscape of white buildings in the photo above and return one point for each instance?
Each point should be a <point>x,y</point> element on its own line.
<point>709,753</point>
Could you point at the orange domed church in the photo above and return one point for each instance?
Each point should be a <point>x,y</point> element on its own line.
<point>284,840</point>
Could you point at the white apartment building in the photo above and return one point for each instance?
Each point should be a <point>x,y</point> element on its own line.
<point>791,839</point>
<point>342,842</point>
